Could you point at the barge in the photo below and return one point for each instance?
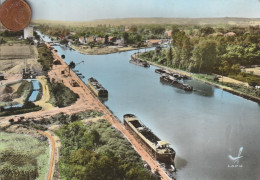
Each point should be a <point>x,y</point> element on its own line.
<point>158,149</point>
<point>139,62</point>
<point>171,80</point>
<point>167,72</point>
<point>97,88</point>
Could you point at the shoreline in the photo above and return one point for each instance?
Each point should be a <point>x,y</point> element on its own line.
<point>103,51</point>
<point>225,88</point>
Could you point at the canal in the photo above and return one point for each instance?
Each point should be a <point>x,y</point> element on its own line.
<point>207,128</point>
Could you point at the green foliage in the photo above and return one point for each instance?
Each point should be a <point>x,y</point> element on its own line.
<point>61,95</point>
<point>22,157</point>
<point>27,107</point>
<point>45,57</point>
<point>98,151</point>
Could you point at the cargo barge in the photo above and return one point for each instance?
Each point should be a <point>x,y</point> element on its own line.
<point>159,150</point>
<point>167,72</point>
<point>97,88</point>
<point>171,80</point>
<point>139,62</point>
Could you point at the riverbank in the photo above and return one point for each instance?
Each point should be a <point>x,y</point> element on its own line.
<point>223,87</point>
<point>101,51</point>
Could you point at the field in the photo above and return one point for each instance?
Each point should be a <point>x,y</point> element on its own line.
<point>255,71</point>
<point>24,154</point>
<point>138,21</point>
<point>12,58</point>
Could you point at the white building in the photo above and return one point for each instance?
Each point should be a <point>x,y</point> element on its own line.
<point>28,32</point>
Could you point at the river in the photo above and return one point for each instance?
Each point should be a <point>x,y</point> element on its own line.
<point>205,128</point>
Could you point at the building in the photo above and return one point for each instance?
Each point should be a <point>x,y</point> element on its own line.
<point>28,32</point>
<point>168,33</point>
<point>230,34</point>
<point>82,40</point>
<point>2,77</point>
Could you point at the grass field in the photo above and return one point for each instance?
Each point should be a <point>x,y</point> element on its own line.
<point>21,147</point>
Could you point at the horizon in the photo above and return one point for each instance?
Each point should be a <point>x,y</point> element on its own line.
<point>86,10</point>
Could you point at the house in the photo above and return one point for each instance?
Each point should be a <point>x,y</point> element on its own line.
<point>90,39</point>
<point>111,39</point>
<point>82,40</point>
<point>28,32</point>
<point>120,42</point>
<point>168,33</point>
<point>154,42</point>
<point>100,40</point>
<point>230,34</point>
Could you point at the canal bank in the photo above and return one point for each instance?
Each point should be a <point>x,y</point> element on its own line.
<point>225,88</point>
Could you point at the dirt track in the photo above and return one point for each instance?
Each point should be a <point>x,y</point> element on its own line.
<point>87,101</point>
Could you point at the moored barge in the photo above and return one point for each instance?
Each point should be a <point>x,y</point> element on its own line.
<point>97,88</point>
<point>139,62</point>
<point>171,80</point>
<point>158,149</point>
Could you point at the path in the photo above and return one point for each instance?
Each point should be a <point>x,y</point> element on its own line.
<point>43,102</point>
<point>52,144</point>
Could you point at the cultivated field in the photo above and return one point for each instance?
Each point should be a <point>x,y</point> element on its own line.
<point>23,151</point>
<point>13,59</point>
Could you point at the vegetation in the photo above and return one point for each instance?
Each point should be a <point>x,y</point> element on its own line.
<point>58,119</point>
<point>98,151</point>
<point>61,95</point>
<point>211,50</point>
<point>10,37</point>
<point>45,57</point>
<point>23,157</point>
<point>24,89</point>
<point>27,107</point>
<point>211,78</point>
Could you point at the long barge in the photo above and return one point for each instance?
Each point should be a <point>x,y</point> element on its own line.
<point>158,149</point>
<point>97,88</point>
<point>171,80</point>
<point>139,62</point>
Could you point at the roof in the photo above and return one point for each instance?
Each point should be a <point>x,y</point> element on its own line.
<point>154,40</point>
<point>163,143</point>
<point>169,33</point>
<point>230,34</point>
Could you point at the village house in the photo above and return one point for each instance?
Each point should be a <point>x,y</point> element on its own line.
<point>154,42</point>
<point>168,33</point>
<point>111,39</point>
<point>82,40</point>
<point>230,34</point>
<point>90,39</point>
<point>120,42</point>
<point>100,40</point>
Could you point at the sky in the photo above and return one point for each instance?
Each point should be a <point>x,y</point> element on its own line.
<point>87,10</point>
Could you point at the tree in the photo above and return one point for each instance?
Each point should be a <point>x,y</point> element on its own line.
<point>169,55</point>
<point>72,65</point>
<point>204,56</point>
